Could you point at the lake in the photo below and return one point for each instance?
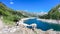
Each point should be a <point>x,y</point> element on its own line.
<point>42,25</point>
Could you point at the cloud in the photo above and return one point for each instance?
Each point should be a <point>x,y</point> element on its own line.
<point>11,2</point>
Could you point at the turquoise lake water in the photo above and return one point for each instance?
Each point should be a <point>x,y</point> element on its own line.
<point>42,25</point>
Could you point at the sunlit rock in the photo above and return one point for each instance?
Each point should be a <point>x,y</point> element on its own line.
<point>50,32</point>
<point>1,23</point>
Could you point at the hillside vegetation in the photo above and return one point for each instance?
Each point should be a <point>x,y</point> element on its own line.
<point>9,15</point>
<point>54,13</point>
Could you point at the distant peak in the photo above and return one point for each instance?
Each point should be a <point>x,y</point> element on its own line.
<point>2,4</point>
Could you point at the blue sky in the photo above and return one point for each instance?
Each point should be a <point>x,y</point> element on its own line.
<point>31,5</point>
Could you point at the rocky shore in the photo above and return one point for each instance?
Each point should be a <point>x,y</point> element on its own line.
<point>44,20</point>
<point>22,29</point>
<point>50,21</point>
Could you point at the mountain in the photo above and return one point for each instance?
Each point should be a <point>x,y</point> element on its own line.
<point>9,15</point>
<point>29,14</point>
<point>54,13</point>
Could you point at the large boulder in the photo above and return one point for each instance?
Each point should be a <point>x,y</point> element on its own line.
<point>1,23</point>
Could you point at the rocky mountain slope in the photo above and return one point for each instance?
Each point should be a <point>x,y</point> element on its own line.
<point>54,13</point>
<point>9,15</point>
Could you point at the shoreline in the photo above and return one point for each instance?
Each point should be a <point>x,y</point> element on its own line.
<point>23,19</point>
<point>44,20</point>
<point>50,21</point>
<point>22,29</point>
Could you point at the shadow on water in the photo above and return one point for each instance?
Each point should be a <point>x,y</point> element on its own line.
<point>42,25</point>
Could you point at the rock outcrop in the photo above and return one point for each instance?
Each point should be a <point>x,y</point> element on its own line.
<point>1,23</point>
<point>21,29</point>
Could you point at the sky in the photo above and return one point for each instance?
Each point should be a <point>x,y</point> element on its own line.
<point>31,5</point>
